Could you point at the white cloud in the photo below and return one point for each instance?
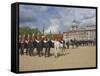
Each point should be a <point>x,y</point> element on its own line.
<point>90,21</point>
<point>55,22</point>
<point>53,27</point>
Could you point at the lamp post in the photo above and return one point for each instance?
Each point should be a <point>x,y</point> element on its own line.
<point>43,30</point>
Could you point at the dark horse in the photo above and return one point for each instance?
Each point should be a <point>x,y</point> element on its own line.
<point>48,45</point>
<point>39,47</point>
<point>21,46</point>
<point>74,43</point>
<point>30,45</point>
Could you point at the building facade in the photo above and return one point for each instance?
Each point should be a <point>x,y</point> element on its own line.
<point>75,32</point>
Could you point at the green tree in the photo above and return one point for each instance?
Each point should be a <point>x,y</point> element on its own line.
<point>27,30</point>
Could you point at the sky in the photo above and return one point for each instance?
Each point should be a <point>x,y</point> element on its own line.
<point>55,19</point>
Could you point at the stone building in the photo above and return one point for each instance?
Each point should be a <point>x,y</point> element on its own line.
<point>78,33</point>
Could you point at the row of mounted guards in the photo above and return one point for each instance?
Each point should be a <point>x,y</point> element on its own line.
<point>43,45</point>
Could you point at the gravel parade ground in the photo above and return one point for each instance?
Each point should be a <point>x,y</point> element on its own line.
<point>73,58</point>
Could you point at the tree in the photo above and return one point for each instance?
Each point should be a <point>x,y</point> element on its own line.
<point>27,30</point>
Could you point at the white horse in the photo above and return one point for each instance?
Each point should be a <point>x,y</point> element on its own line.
<point>56,47</point>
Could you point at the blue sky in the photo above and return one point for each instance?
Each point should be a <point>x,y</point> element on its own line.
<point>55,19</point>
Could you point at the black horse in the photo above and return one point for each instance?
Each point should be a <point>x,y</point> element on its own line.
<point>21,47</point>
<point>67,43</point>
<point>31,48</point>
<point>48,45</point>
<point>39,47</point>
<point>74,43</point>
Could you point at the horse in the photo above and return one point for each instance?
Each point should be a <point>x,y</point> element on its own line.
<point>22,46</point>
<point>67,43</point>
<point>76,43</point>
<point>47,48</point>
<point>39,47</point>
<point>72,43</point>
<point>31,47</point>
<point>56,47</point>
<point>62,46</point>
